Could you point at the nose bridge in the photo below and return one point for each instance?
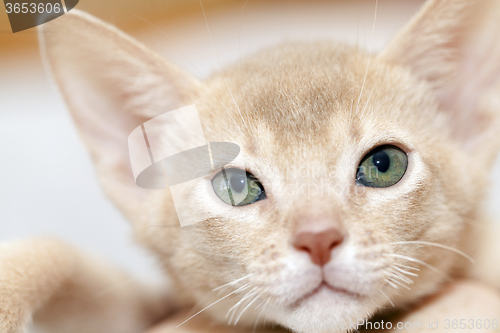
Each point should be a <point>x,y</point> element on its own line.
<point>312,189</point>
<point>317,230</point>
<point>312,216</point>
<point>317,183</point>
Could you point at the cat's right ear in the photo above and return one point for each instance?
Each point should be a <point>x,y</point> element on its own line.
<point>454,45</point>
<point>112,84</point>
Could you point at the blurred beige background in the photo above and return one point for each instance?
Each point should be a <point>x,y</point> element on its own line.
<point>47,183</point>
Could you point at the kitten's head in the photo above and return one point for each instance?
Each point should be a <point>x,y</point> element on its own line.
<point>361,169</point>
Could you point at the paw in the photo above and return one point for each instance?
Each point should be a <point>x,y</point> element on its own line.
<point>29,272</point>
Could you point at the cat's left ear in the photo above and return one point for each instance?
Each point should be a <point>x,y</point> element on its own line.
<point>112,85</point>
<point>454,45</point>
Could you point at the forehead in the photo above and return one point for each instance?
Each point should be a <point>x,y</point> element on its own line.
<point>305,100</point>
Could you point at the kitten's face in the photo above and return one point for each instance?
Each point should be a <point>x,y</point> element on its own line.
<point>322,240</point>
<point>304,131</point>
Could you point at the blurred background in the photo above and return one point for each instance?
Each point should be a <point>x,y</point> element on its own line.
<point>47,184</point>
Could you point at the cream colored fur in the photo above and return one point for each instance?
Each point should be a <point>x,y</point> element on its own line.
<point>315,105</point>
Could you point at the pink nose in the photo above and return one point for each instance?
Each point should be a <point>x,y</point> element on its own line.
<point>318,244</point>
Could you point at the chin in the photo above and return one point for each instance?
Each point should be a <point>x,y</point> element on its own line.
<point>327,310</point>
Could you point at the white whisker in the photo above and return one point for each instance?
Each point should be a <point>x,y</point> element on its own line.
<point>233,282</point>
<point>381,69</point>
<point>235,307</point>
<point>355,67</point>
<point>371,93</point>
<point>409,267</point>
<point>402,278</point>
<point>463,254</point>
<point>387,298</point>
<point>400,284</point>
<point>218,61</point>
<point>236,291</point>
<point>246,307</point>
<point>369,57</point>
<point>260,314</point>
<point>247,295</point>
<point>405,272</point>
<point>239,31</point>
<point>390,283</point>
<point>434,269</point>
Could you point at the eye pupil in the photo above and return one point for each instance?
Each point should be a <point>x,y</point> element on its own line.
<point>384,166</point>
<point>238,187</point>
<point>382,161</point>
<point>238,182</point>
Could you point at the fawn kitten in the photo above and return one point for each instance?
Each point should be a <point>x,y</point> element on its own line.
<point>365,173</point>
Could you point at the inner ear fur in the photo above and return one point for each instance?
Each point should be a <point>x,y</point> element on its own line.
<point>454,45</point>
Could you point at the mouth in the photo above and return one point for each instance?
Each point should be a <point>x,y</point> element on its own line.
<point>325,287</point>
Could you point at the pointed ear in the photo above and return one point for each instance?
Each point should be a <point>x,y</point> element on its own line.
<point>112,84</point>
<point>454,45</point>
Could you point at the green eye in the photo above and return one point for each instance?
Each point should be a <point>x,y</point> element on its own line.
<point>382,167</point>
<point>237,187</point>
